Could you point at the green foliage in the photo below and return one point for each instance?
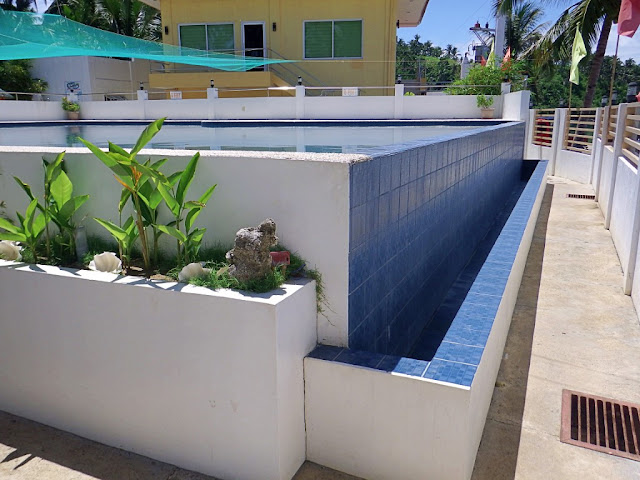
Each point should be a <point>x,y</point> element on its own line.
<point>59,203</point>
<point>15,76</point>
<point>415,59</point>
<point>133,176</point>
<point>28,231</point>
<point>174,194</point>
<point>480,81</point>
<point>69,106</point>
<point>484,101</point>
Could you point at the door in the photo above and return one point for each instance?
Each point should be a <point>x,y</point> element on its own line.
<point>253,41</point>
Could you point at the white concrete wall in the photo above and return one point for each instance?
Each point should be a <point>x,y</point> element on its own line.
<point>383,426</point>
<point>597,167</point>
<point>365,107</point>
<point>209,381</point>
<point>95,75</point>
<point>386,426</point>
<point>623,211</point>
<point>605,180</point>
<point>516,106</point>
<point>573,165</point>
<point>309,201</point>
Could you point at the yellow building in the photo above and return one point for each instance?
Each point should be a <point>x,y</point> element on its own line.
<point>335,43</point>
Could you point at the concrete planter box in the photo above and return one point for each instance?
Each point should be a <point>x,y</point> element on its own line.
<point>207,380</point>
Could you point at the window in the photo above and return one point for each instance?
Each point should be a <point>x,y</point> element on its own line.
<point>333,39</point>
<point>213,37</point>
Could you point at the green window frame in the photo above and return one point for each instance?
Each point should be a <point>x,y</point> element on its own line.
<point>219,37</point>
<point>332,39</point>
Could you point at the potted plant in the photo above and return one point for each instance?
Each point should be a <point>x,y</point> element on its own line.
<point>484,104</point>
<point>72,108</point>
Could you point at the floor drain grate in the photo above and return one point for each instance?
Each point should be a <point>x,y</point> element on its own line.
<point>579,195</point>
<point>601,424</point>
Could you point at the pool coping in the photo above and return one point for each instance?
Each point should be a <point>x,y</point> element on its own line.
<point>460,353</point>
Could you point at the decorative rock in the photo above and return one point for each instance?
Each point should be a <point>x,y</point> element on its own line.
<point>106,262</point>
<point>250,258</point>
<point>10,251</point>
<point>193,270</point>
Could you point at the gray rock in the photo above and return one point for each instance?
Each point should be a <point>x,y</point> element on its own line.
<point>250,258</point>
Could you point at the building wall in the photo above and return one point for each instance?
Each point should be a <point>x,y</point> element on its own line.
<point>415,219</point>
<point>377,68</point>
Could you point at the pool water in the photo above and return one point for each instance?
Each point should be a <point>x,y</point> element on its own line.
<point>317,139</point>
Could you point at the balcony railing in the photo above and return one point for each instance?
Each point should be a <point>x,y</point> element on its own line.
<point>580,129</point>
<point>544,119</point>
<point>631,142</point>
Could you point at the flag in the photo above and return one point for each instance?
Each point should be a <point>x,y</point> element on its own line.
<point>491,61</point>
<point>483,61</point>
<point>629,17</point>
<point>578,52</point>
<point>506,61</point>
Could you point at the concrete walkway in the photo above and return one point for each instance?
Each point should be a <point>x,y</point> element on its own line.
<point>572,328</point>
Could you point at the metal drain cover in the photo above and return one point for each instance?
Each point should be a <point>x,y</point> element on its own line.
<point>579,195</point>
<point>601,424</point>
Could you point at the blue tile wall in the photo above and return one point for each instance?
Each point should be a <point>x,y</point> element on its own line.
<point>416,217</point>
<point>458,345</point>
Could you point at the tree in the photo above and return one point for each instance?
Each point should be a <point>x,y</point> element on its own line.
<point>19,5</point>
<point>523,27</point>
<point>15,76</point>
<point>450,52</point>
<point>592,17</point>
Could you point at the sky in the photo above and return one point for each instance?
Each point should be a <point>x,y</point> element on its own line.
<point>447,21</point>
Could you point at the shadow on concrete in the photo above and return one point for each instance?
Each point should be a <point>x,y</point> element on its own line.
<point>498,453</point>
<point>56,453</point>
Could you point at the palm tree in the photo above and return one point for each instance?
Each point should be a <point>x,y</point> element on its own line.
<point>592,17</point>
<point>523,27</point>
<point>19,5</point>
<point>450,52</point>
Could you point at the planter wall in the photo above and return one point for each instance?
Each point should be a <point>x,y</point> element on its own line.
<point>209,381</point>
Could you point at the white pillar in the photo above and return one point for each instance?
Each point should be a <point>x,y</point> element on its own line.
<point>398,104</point>
<point>142,95</point>
<point>617,151</point>
<point>212,93</point>
<point>606,119</point>
<point>501,22</point>
<point>300,97</point>
<point>557,136</point>
<point>594,143</point>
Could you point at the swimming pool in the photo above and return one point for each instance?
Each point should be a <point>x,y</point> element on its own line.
<point>328,138</point>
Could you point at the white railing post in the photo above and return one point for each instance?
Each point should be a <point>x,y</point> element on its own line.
<point>398,106</point>
<point>528,138</point>
<point>300,99</point>
<point>594,142</point>
<point>617,151</point>
<point>605,135</point>
<point>142,95</point>
<point>212,93</point>
<point>557,137</point>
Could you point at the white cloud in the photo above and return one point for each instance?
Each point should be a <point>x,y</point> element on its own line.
<point>628,47</point>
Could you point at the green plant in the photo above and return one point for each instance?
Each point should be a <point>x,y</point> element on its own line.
<point>133,176</point>
<point>174,194</point>
<point>126,237</point>
<point>59,203</point>
<point>484,101</point>
<point>29,229</point>
<point>69,106</point>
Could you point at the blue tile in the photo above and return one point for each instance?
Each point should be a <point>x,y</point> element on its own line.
<point>325,352</point>
<point>411,366</point>
<point>385,174</point>
<point>466,336</point>
<point>388,363</point>
<point>451,372</point>
<point>359,357</point>
<point>456,352</point>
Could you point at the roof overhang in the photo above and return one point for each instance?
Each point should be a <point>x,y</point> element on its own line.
<point>410,12</point>
<point>152,3</point>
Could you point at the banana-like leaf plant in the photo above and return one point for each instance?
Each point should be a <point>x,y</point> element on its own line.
<point>29,229</point>
<point>189,240</point>
<point>133,175</point>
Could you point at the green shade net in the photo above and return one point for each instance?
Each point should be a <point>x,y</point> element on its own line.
<point>25,35</point>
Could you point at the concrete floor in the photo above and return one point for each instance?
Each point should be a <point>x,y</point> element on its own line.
<point>572,328</point>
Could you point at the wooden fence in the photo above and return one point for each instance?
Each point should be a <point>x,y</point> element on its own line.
<point>580,130</point>
<point>543,126</point>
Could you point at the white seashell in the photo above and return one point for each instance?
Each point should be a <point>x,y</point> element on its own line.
<point>106,262</point>
<point>10,251</point>
<point>193,270</point>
